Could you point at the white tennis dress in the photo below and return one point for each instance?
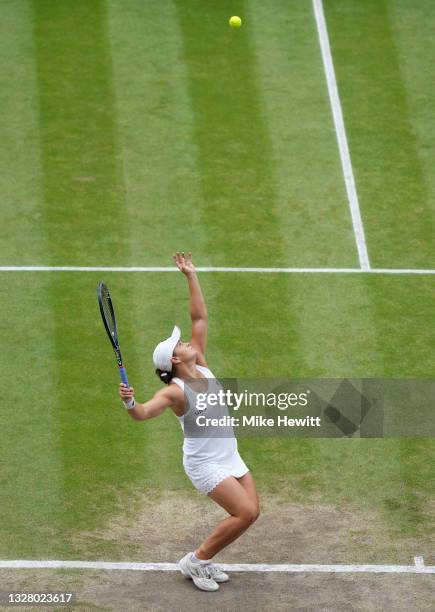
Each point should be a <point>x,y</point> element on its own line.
<point>208,460</point>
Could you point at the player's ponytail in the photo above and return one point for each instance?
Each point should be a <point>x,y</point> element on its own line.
<point>165,377</point>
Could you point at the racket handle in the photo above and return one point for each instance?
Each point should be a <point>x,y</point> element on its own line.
<point>123,375</point>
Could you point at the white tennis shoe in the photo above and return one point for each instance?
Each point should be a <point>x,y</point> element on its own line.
<point>217,574</point>
<point>199,573</point>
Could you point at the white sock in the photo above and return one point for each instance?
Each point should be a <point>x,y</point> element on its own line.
<point>195,559</point>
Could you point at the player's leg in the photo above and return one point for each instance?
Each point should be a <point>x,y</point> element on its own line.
<point>241,503</point>
<point>248,483</point>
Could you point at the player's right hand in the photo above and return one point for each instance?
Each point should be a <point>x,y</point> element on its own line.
<point>125,393</point>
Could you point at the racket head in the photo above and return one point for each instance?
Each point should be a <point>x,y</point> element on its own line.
<point>108,314</point>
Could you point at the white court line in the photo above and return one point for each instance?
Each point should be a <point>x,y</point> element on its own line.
<point>341,135</point>
<point>417,568</point>
<point>216,269</point>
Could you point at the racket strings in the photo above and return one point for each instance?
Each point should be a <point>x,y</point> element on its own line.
<point>108,311</point>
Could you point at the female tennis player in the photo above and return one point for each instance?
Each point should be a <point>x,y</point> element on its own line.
<point>213,464</point>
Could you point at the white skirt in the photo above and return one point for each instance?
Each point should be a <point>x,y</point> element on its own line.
<point>206,476</point>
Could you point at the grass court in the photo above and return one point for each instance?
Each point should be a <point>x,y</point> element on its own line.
<point>133,129</point>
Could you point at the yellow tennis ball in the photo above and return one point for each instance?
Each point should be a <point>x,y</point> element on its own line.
<point>235,22</point>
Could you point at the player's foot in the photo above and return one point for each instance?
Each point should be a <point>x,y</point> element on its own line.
<point>199,573</point>
<point>217,574</point>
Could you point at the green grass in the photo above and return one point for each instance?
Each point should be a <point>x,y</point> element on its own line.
<point>389,125</point>
<point>77,456</point>
<point>130,133</point>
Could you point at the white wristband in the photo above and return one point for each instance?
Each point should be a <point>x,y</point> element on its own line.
<point>130,404</point>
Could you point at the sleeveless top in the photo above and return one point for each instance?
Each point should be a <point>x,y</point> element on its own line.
<point>208,446</point>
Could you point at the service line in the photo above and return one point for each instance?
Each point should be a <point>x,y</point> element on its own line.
<point>216,269</point>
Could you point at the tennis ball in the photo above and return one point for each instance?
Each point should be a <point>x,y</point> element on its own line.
<point>235,22</point>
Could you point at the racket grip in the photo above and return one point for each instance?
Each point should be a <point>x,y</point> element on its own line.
<point>123,375</point>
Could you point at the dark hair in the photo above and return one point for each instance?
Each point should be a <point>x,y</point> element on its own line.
<point>165,377</point>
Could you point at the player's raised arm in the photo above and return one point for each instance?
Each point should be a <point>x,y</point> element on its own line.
<point>162,399</point>
<point>197,308</point>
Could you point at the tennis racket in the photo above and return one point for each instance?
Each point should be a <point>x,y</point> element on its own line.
<point>108,316</point>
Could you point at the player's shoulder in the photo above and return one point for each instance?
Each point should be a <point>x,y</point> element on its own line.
<point>170,390</point>
<point>173,393</point>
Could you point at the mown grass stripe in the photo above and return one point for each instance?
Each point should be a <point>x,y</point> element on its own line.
<point>82,186</point>
<point>81,175</point>
<point>20,194</point>
<point>155,125</point>
<point>306,173</point>
<point>403,350</point>
<point>30,487</point>
<point>387,155</point>
<point>234,161</point>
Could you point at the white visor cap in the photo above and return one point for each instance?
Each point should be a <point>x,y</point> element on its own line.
<point>164,350</point>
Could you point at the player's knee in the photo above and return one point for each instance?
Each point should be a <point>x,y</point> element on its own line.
<point>249,513</point>
<point>255,513</point>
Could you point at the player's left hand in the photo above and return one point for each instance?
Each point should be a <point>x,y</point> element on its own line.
<point>184,262</point>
